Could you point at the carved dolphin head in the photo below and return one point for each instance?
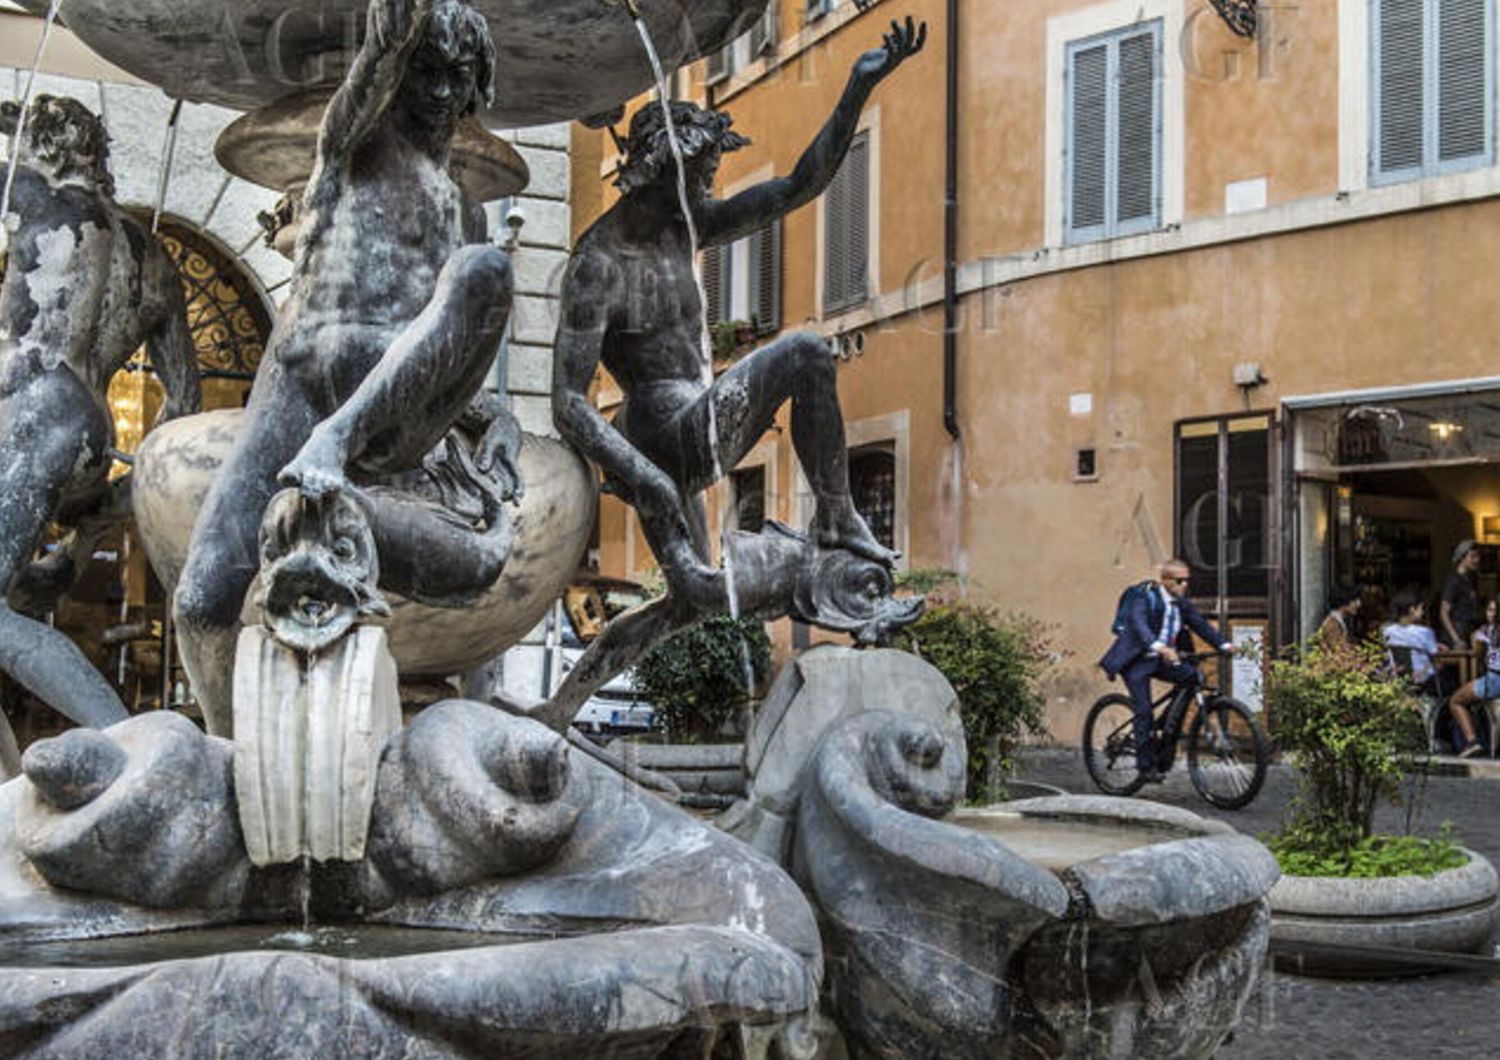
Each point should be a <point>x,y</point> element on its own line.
<point>319,569</point>
<point>845,592</point>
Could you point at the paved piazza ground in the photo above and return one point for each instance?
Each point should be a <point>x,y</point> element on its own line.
<point>1295,1018</point>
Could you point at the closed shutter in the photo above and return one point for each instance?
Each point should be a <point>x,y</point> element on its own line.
<point>765,273</point>
<point>763,33</point>
<point>858,258</point>
<point>1136,140</point>
<point>713,284</point>
<point>1400,74</point>
<point>1433,87</point>
<point>1088,140</point>
<point>1112,171</point>
<point>846,230</point>
<point>718,65</point>
<point>1462,79</point>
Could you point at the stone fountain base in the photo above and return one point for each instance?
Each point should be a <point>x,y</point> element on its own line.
<point>596,920</point>
<point>652,992</point>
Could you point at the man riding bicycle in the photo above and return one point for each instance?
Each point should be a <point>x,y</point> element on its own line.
<point>1151,631</point>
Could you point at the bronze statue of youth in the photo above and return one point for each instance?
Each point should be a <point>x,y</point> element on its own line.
<point>395,313</point>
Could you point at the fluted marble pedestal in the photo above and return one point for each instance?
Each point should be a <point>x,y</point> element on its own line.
<point>308,737</point>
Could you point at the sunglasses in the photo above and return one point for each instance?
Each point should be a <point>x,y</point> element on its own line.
<point>1177,581</point>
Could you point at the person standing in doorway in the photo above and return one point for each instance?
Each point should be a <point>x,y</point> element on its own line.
<point>1459,612</point>
<point>1151,634</point>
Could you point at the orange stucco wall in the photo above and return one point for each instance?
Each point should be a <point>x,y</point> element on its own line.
<point>1397,299</point>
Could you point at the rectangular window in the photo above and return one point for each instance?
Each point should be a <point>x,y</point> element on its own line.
<point>749,44</point>
<point>819,8</point>
<point>846,231</point>
<point>872,485</point>
<point>742,280</point>
<point>1112,129</point>
<point>1433,87</point>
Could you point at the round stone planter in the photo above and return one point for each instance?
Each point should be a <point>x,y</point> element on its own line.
<point>1318,917</point>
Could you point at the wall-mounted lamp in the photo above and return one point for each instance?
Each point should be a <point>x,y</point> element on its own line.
<point>1490,524</point>
<point>1247,376</point>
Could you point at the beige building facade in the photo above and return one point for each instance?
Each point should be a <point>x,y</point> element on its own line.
<point>1220,297</point>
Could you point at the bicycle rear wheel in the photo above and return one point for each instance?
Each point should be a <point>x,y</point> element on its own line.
<point>1109,745</point>
<point>1227,753</point>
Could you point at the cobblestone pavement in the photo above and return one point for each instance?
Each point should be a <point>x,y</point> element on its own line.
<point>1296,1018</point>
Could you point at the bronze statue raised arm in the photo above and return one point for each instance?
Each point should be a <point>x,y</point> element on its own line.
<point>394,317</point>
<point>631,302</point>
<point>85,285</point>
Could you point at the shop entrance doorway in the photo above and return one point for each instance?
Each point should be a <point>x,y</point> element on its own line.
<point>1386,484</point>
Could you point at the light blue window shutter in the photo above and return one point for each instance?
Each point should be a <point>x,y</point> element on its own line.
<point>846,221</point>
<point>858,164</point>
<point>765,272</point>
<point>763,33</point>
<point>1400,77</point>
<point>1137,136</point>
<point>1463,80</point>
<point>1088,141</point>
<point>714,259</point>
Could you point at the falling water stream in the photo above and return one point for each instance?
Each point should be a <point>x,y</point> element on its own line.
<point>20,135</point>
<point>664,97</point>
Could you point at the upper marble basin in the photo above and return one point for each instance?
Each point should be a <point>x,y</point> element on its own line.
<point>558,59</point>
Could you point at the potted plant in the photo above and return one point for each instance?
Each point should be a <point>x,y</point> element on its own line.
<point>731,336</point>
<point>1355,732</point>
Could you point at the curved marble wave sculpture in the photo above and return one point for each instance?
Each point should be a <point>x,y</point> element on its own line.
<point>550,528</point>
<point>665,935</point>
<point>945,941</point>
<point>558,59</point>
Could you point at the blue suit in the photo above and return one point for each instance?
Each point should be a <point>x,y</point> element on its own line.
<point>1130,656</point>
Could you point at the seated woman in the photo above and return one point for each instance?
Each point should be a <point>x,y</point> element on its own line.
<point>1339,631</point>
<point>1411,633</point>
<point>1486,639</point>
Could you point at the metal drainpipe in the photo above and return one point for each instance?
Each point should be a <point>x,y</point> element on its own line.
<point>950,237</point>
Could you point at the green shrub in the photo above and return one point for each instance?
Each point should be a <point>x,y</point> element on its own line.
<point>1353,731</point>
<point>995,663</point>
<point>696,679</point>
<point>1308,852</point>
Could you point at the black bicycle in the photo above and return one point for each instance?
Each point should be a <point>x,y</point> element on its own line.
<point>1227,751</point>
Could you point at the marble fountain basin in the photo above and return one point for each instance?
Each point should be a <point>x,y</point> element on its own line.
<point>176,466</point>
<point>557,59</point>
<point>1065,926</point>
<point>515,900</point>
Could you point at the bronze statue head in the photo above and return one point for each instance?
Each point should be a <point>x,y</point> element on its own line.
<point>459,36</point>
<point>703,135</point>
<point>63,137</point>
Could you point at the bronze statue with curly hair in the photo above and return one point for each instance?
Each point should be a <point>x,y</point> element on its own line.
<point>631,303</point>
<point>85,285</point>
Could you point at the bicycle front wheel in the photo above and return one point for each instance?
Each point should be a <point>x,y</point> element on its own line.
<point>1227,753</point>
<point>1109,745</point>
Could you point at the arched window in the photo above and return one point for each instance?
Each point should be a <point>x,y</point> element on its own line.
<point>230,319</point>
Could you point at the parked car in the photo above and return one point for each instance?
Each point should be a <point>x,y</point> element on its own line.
<point>587,606</point>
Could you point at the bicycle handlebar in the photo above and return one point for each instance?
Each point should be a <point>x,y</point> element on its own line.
<point>1199,656</point>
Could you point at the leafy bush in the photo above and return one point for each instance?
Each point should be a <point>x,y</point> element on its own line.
<point>1307,852</point>
<point>696,679</point>
<point>1352,729</point>
<point>995,663</point>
